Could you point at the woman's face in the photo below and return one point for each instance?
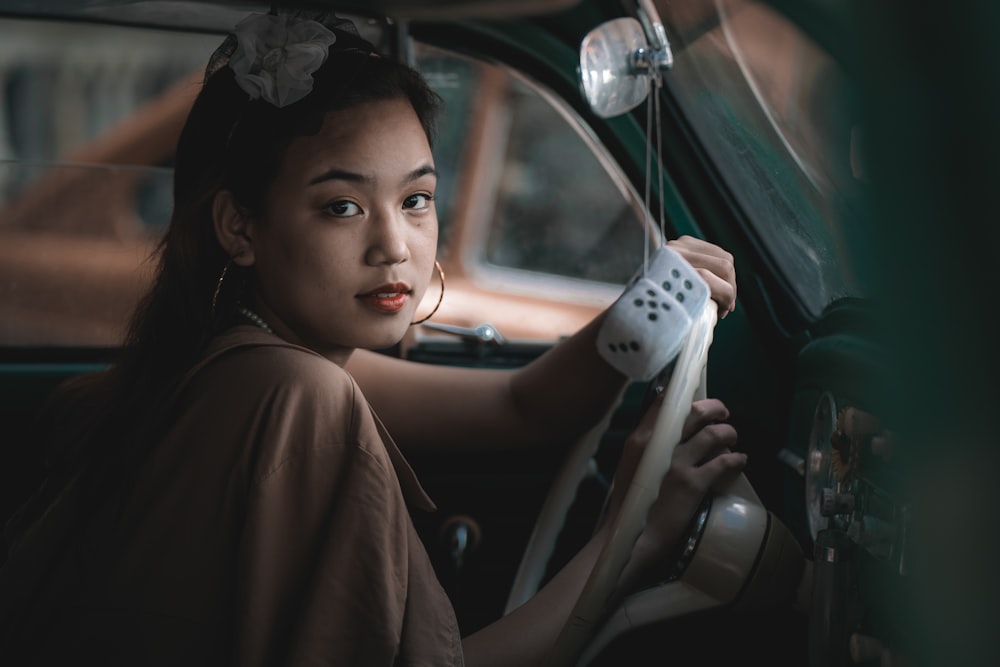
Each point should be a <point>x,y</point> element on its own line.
<point>345,249</point>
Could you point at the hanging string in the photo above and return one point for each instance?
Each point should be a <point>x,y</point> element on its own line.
<point>649,172</point>
<point>655,93</point>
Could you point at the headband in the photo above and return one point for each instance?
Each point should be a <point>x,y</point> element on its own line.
<point>274,56</point>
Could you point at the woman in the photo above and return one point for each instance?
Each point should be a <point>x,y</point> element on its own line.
<point>233,497</point>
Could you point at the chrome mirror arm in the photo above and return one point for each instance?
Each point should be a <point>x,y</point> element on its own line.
<point>659,57</point>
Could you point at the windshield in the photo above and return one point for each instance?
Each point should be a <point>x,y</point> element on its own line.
<point>776,115</point>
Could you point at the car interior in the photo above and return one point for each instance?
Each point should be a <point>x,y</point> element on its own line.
<point>576,134</point>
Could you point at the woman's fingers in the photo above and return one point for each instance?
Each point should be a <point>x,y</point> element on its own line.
<point>724,469</point>
<point>715,265</point>
<point>706,444</point>
<point>722,290</point>
<point>705,437</point>
<point>704,412</point>
<point>704,457</point>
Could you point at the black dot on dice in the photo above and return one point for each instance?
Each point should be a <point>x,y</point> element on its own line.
<point>653,317</point>
<point>665,306</point>
<point>634,345</point>
<point>675,273</point>
<point>650,292</point>
<point>666,285</point>
<point>687,284</point>
<point>680,297</point>
<point>651,303</point>
<point>638,302</point>
<point>612,347</point>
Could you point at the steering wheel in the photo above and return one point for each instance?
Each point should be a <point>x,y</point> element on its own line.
<point>687,383</point>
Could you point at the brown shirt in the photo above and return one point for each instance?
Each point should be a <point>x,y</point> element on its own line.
<point>269,527</point>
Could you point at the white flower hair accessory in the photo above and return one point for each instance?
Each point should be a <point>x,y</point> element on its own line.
<point>276,56</point>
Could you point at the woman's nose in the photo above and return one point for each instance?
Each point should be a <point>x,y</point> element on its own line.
<point>388,240</point>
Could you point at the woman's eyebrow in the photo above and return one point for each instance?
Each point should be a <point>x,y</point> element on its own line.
<point>343,175</point>
<point>420,172</point>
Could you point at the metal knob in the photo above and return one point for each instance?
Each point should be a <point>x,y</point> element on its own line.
<point>484,333</point>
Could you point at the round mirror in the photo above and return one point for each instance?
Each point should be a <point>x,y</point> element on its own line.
<point>611,84</point>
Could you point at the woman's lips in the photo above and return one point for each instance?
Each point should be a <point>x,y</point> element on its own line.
<point>387,298</point>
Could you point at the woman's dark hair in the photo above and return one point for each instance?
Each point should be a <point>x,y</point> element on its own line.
<point>229,142</point>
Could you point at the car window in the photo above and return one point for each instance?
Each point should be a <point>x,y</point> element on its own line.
<point>776,115</point>
<point>557,209</point>
<point>536,208</point>
<point>539,229</point>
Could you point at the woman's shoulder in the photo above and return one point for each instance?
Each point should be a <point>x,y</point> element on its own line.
<point>257,368</point>
<point>283,401</point>
<point>281,358</point>
<point>285,362</point>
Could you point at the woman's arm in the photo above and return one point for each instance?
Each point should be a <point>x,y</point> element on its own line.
<point>554,399</point>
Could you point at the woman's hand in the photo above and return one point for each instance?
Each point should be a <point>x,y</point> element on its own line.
<point>715,265</point>
<point>702,462</point>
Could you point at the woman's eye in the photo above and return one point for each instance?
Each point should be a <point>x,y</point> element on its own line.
<point>418,202</point>
<point>342,209</point>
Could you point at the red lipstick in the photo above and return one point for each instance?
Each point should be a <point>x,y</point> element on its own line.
<point>390,298</point>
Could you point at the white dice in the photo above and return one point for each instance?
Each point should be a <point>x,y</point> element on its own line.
<point>646,327</point>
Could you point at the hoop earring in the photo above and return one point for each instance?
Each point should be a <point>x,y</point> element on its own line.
<point>218,286</point>
<point>437,265</point>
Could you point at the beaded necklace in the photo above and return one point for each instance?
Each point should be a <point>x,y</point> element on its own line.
<point>256,319</point>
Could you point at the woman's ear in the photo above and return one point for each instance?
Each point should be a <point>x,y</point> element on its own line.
<point>233,228</point>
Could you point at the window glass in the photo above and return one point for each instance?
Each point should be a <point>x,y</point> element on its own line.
<point>558,210</point>
<point>536,207</point>
<point>777,116</point>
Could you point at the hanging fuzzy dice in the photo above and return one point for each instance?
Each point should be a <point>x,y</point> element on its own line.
<point>646,327</point>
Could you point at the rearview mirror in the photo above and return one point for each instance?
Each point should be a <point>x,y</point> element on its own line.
<point>611,83</point>
<point>619,60</point>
